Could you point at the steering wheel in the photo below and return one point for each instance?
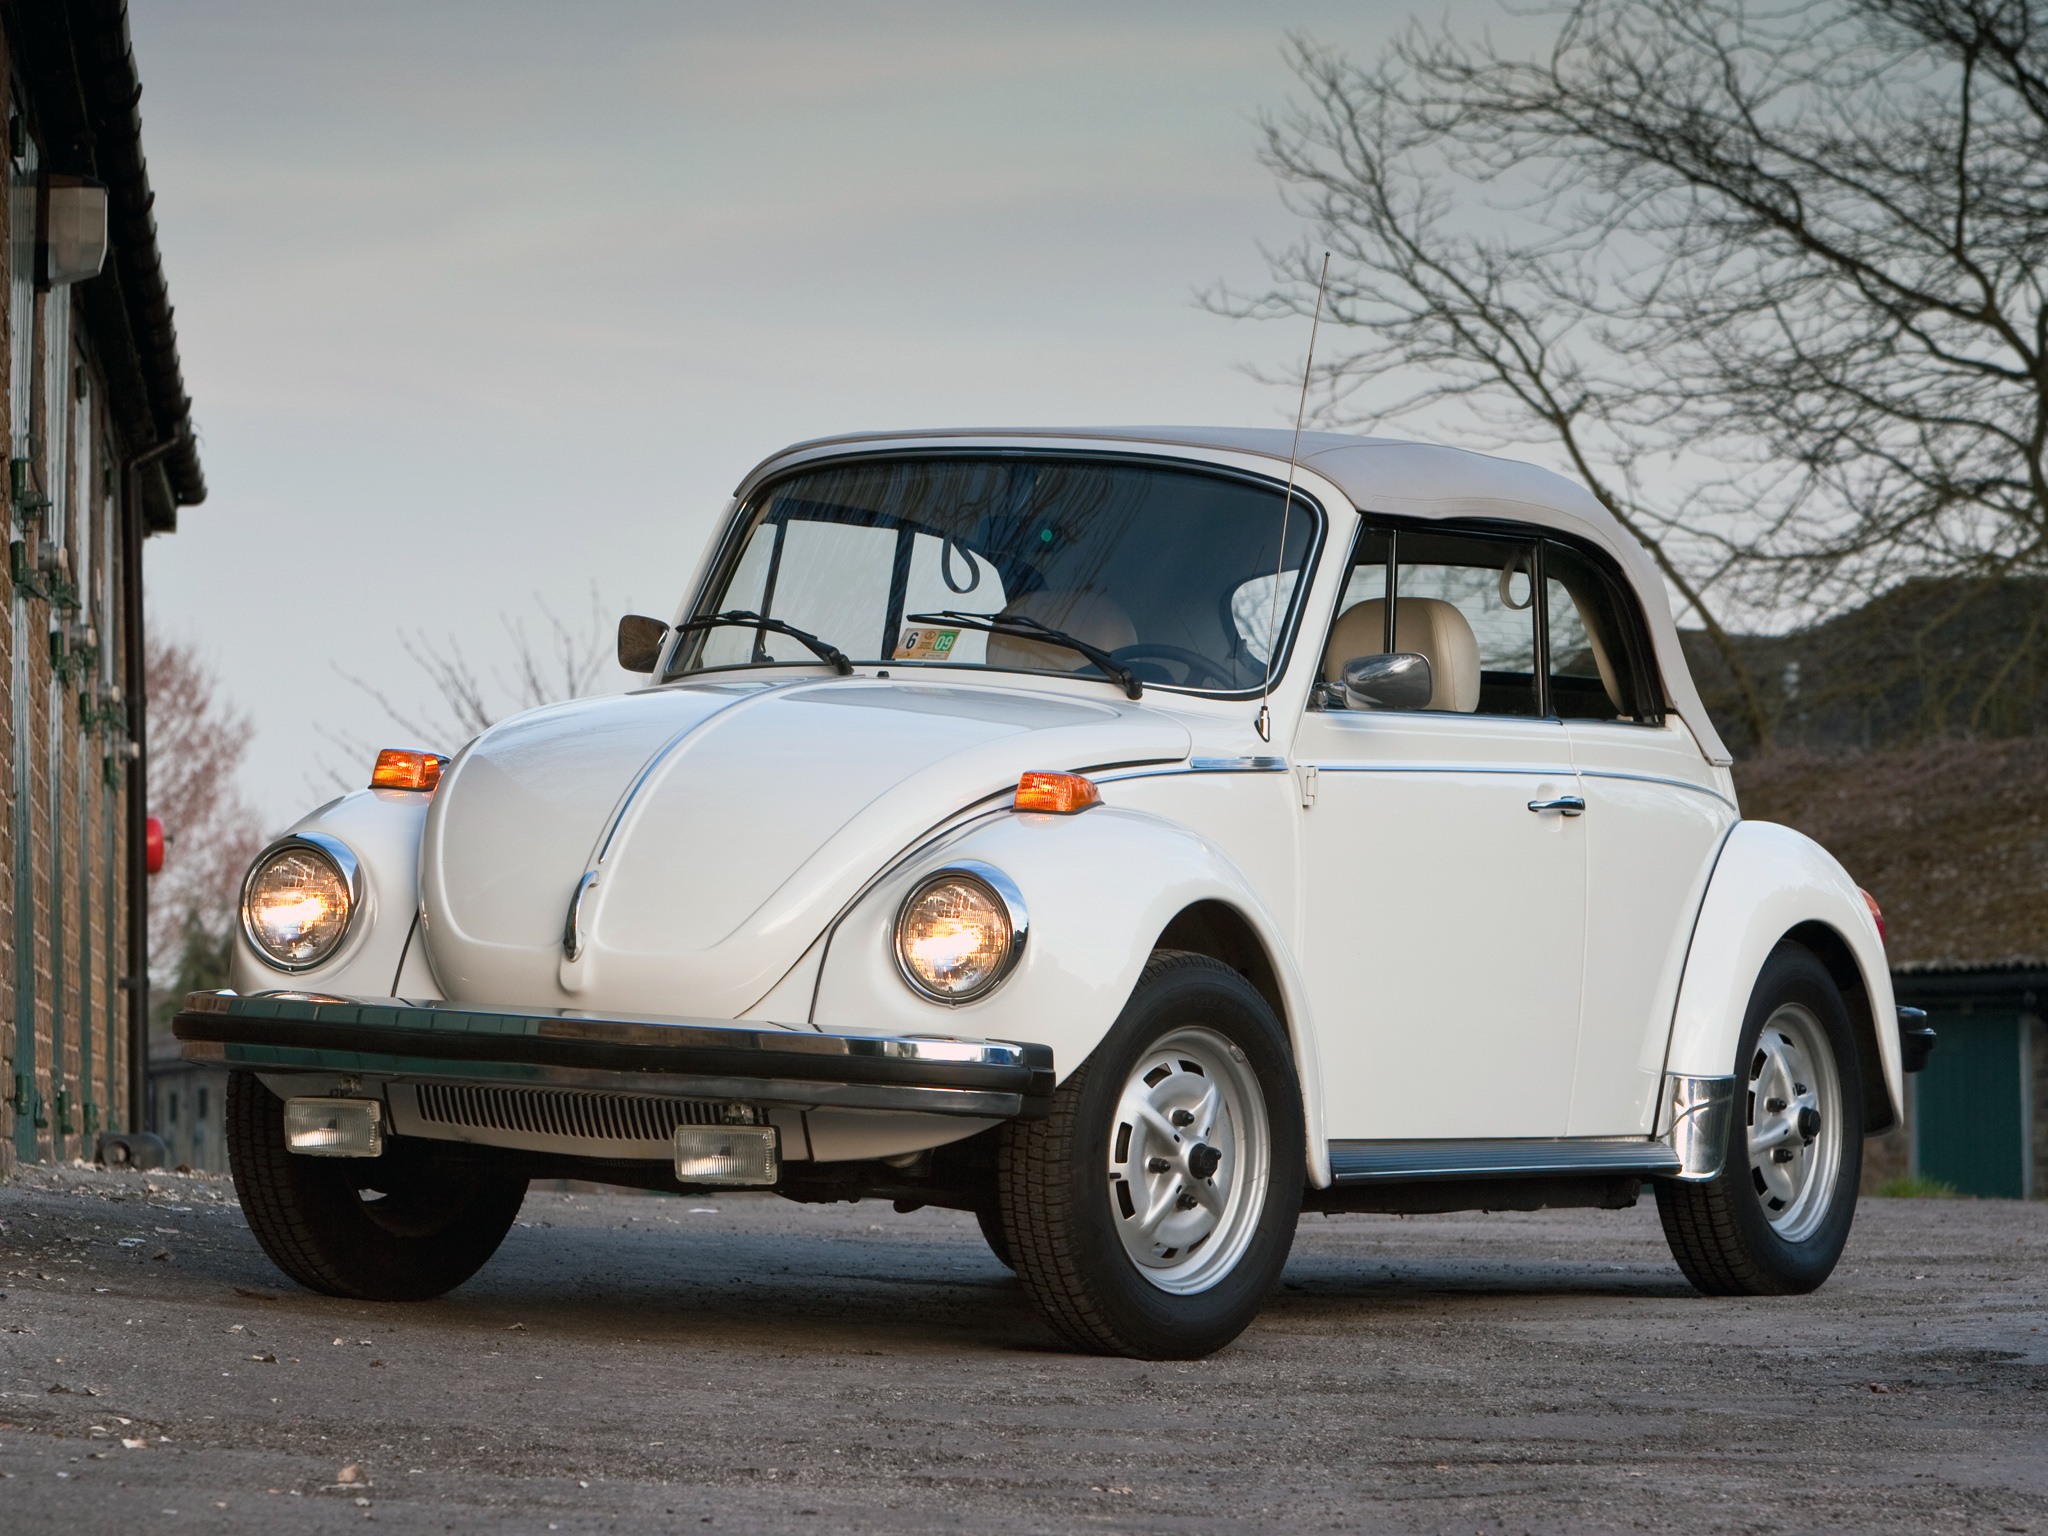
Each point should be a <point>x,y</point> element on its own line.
<point>1196,663</point>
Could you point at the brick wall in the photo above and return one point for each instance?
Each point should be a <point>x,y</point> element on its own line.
<point>63,827</point>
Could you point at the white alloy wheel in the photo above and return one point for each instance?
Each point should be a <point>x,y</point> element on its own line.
<point>1795,1121</point>
<point>1190,1159</point>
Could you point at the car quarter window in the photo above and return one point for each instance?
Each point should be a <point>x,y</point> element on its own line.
<point>1597,667</point>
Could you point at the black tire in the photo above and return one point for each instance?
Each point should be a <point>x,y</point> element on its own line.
<point>1721,1231</point>
<point>1056,1193</point>
<point>991,1220</point>
<point>434,1218</point>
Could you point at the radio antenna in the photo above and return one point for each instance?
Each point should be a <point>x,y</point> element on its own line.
<point>1264,723</point>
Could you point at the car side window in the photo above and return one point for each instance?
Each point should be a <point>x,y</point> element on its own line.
<point>1596,671</point>
<point>1465,603</point>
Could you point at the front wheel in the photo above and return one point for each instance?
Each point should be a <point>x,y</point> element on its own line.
<point>1151,1213</point>
<point>1774,1221</point>
<point>406,1226</point>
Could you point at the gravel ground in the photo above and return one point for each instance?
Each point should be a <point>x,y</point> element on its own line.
<point>632,1363</point>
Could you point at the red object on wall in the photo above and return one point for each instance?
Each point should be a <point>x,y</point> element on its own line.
<point>153,845</point>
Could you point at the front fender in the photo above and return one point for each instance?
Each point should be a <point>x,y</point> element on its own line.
<point>1099,889</point>
<point>382,828</point>
<point>1768,882</point>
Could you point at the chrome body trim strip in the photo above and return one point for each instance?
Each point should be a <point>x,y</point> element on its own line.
<point>1519,770</point>
<point>1656,778</point>
<point>1237,764</point>
<point>1358,1162</point>
<point>1698,1134</point>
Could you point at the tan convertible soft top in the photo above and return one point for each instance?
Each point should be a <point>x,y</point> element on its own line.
<point>1379,474</point>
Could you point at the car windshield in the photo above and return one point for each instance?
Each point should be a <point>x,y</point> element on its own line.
<point>1169,571</point>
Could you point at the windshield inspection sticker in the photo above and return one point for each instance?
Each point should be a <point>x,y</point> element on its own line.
<point>926,644</point>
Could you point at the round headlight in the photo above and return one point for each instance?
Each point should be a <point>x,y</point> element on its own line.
<point>297,902</point>
<point>957,935</point>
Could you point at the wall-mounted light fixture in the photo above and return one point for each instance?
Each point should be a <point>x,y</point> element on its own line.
<point>72,215</point>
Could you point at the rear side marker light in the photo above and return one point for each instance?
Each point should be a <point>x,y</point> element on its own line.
<point>398,768</point>
<point>727,1154</point>
<point>334,1127</point>
<point>1061,794</point>
<point>1876,916</point>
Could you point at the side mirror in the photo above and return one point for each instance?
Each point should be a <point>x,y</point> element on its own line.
<point>1399,680</point>
<point>640,642</point>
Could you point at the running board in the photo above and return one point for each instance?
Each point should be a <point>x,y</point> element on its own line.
<point>1407,1162</point>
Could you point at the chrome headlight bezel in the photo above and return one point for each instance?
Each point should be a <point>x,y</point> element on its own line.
<point>1003,895</point>
<point>345,864</point>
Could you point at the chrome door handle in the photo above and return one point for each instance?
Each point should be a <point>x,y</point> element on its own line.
<point>1570,805</point>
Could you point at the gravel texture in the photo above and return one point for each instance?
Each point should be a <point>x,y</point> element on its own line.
<point>743,1364</point>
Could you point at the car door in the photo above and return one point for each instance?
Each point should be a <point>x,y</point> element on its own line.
<point>1443,882</point>
<point>1655,818</point>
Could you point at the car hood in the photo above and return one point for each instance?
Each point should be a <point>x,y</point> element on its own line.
<point>720,827</point>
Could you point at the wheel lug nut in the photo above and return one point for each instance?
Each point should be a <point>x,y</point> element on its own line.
<point>1183,1117</point>
<point>1157,1165</point>
<point>1775,1106</point>
<point>1186,1202</point>
<point>1781,1154</point>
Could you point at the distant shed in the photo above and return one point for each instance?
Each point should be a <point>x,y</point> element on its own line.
<point>1951,837</point>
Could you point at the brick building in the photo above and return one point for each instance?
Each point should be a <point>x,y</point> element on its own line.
<point>100,456</point>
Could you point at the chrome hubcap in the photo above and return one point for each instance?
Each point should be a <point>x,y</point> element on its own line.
<point>1189,1160</point>
<point>1794,1122</point>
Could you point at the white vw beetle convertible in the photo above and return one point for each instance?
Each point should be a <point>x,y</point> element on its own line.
<point>1132,837</point>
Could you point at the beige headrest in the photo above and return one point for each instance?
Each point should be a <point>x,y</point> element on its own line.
<point>1425,626</point>
<point>1101,621</point>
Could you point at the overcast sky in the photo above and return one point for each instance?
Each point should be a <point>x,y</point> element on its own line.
<point>483,304</point>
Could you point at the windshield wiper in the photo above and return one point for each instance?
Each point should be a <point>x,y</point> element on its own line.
<point>825,648</point>
<point>1030,629</point>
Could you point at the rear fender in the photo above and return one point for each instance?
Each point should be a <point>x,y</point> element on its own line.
<point>1770,884</point>
<point>1100,889</point>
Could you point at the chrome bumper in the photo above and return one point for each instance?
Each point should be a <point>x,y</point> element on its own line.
<point>692,1058</point>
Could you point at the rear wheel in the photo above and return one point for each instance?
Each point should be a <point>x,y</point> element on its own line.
<point>1775,1219</point>
<point>1151,1213</point>
<point>406,1226</point>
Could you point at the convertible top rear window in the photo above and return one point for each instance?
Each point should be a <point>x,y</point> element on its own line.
<point>892,560</point>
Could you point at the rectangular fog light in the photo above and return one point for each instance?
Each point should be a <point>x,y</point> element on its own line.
<point>726,1154</point>
<point>334,1127</point>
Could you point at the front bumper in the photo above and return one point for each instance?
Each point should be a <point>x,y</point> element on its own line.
<point>760,1064</point>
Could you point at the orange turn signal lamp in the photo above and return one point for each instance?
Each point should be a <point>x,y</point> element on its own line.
<point>400,769</point>
<point>1876,915</point>
<point>1062,794</point>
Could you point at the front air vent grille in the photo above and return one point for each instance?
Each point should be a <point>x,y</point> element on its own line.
<point>581,1116</point>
